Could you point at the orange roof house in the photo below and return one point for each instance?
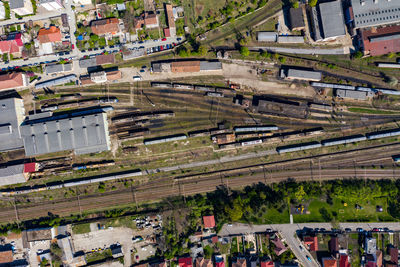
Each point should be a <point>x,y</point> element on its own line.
<point>311,242</point>
<point>209,221</point>
<point>6,256</point>
<point>186,66</point>
<point>202,262</point>
<point>329,262</point>
<point>240,262</point>
<point>12,80</point>
<point>50,35</point>
<point>105,26</point>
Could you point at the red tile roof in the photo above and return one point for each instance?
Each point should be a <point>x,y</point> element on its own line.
<point>105,59</point>
<point>209,221</point>
<point>150,19</point>
<point>202,262</point>
<point>344,261</point>
<point>104,26</point>
<point>379,259</point>
<point>279,246</point>
<point>214,239</point>
<point>267,264</point>
<point>381,47</point>
<point>167,33</point>
<point>311,242</point>
<point>239,263</point>
<point>185,262</point>
<point>11,80</point>
<point>394,254</point>
<point>170,16</point>
<point>12,44</point>
<point>51,35</point>
<point>30,167</point>
<point>371,264</point>
<point>334,244</point>
<point>6,256</point>
<point>329,263</point>
<point>220,264</point>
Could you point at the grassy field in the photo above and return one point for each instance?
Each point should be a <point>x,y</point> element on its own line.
<point>345,212</point>
<point>371,111</point>
<point>81,228</point>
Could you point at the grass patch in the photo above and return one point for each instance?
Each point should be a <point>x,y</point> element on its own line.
<point>371,111</point>
<point>81,228</point>
<point>122,222</point>
<point>98,256</point>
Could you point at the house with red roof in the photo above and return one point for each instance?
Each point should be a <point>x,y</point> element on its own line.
<point>311,242</point>
<point>329,262</point>
<point>380,41</point>
<point>47,39</point>
<point>109,26</point>
<point>147,19</point>
<point>185,262</point>
<point>239,262</point>
<point>209,221</point>
<point>267,263</point>
<point>344,261</point>
<point>219,261</point>
<point>279,246</point>
<point>13,80</point>
<point>12,45</point>
<point>203,262</point>
<point>394,254</point>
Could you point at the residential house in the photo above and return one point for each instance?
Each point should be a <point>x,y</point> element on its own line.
<point>51,5</point>
<point>279,246</point>
<point>239,262</point>
<point>21,7</point>
<point>116,251</point>
<point>379,258</point>
<point>101,77</point>
<point>209,221</point>
<point>344,260</point>
<point>170,19</point>
<point>311,242</point>
<point>380,41</point>
<point>6,257</point>
<point>185,262</point>
<point>370,245</point>
<point>394,254</point>
<point>107,27</point>
<point>68,257</point>
<point>333,245</point>
<point>296,19</point>
<point>2,11</point>
<point>219,261</point>
<point>158,264</point>
<point>148,20</point>
<point>267,263</point>
<point>203,262</point>
<point>11,116</point>
<point>328,21</point>
<point>13,80</point>
<point>12,44</point>
<point>47,39</point>
<point>329,262</point>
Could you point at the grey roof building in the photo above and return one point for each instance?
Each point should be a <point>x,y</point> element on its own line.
<point>12,114</point>
<point>369,13</point>
<point>56,68</point>
<point>291,39</point>
<point>88,62</point>
<point>16,4</point>
<point>296,19</point>
<point>13,174</point>
<point>267,36</point>
<point>56,81</point>
<point>210,65</point>
<point>328,21</point>
<point>353,94</point>
<point>332,19</point>
<point>297,74</point>
<point>81,131</point>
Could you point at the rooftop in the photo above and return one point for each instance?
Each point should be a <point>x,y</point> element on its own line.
<point>50,35</point>
<point>105,26</point>
<point>296,18</point>
<point>14,4</point>
<point>11,80</point>
<point>381,41</point>
<point>6,256</point>
<point>209,221</point>
<point>369,13</point>
<point>56,68</point>
<point>185,262</point>
<point>11,116</point>
<point>85,133</point>
<point>332,19</point>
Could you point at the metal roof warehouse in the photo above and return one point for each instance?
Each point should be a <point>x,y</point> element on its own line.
<point>368,13</point>
<point>11,116</point>
<point>83,133</point>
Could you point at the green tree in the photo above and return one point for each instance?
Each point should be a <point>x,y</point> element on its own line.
<point>282,60</point>
<point>391,55</point>
<point>235,212</point>
<point>358,54</point>
<point>266,55</point>
<point>202,50</point>
<point>183,52</point>
<point>313,3</point>
<point>300,193</point>
<point>94,38</point>
<point>244,51</point>
<point>325,214</point>
<point>208,251</point>
<point>295,4</point>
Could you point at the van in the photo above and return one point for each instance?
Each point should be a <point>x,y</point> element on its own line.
<point>137,78</point>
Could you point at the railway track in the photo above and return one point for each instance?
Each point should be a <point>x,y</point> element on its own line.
<point>157,192</point>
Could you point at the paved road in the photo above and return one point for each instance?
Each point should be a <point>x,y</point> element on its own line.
<point>288,231</point>
<point>304,51</point>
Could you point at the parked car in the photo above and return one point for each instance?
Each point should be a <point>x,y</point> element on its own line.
<point>359,230</point>
<point>308,258</point>
<point>179,39</point>
<point>348,230</point>
<point>164,39</point>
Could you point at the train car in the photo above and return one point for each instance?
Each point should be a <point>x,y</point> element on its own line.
<point>333,86</point>
<point>164,139</point>
<point>161,85</point>
<point>224,90</point>
<point>227,146</point>
<point>246,135</point>
<point>204,88</point>
<point>183,86</point>
<point>343,140</point>
<point>298,147</point>
<point>251,142</point>
<point>49,108</point>
<point>214,94</point>
<point>396,158</point>
<point>255,128</point>
<point>383,134</point>
<point>199,133</point>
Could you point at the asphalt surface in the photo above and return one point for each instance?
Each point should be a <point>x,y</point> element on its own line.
<point>288,232</point>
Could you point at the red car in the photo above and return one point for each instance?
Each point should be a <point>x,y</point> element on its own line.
<point>164,39</point>
<point>73,46</point>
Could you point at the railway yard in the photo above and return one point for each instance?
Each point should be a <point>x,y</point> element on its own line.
<point>184,136</point>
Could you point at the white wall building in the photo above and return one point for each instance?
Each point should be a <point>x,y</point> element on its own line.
<point>51,5</point>
<point>21,7</point>
<point>2,11</point>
